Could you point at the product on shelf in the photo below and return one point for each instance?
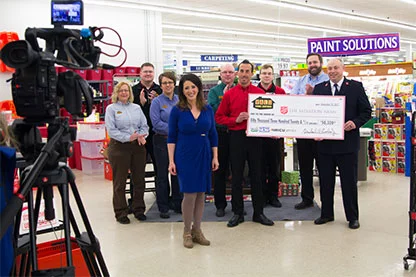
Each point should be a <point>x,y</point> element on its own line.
<point>389,164</point>
<point>401,165</point>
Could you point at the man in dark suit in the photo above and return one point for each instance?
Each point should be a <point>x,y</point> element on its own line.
<point>342,153</point>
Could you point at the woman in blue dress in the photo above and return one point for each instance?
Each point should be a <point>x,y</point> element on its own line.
<point>193,154</point>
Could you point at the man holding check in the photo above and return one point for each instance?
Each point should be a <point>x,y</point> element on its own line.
<point>342,153</point>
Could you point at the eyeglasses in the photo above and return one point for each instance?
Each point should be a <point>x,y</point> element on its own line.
<point>167,83</point>
<point>147,71</point>
<point>227,72</point>
<point>123,90</point>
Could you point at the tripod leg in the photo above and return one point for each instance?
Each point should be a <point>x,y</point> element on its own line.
<point>67,227</point>
<point>93,240</point>
<point>33,220</point>
<point>92,268</point>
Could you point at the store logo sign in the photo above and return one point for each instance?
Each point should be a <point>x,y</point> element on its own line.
<point>263,103</point>
<point>368,72</point>
<point>354,45</point>
<point>219,58</point>
<point>396,71</point>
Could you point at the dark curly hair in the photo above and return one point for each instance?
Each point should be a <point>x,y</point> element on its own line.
<point>183,102</point>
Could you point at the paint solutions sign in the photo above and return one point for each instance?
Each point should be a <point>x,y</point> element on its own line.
<point>355,45</point>
<point>219,58</point>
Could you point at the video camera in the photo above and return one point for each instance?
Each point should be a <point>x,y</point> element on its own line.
<point>38,91</point>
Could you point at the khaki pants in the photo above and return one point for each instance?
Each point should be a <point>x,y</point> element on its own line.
<point>122,157</point>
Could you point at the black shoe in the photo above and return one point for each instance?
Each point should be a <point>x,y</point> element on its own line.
<point>262,219</point>
<point>354,224</point>
<point>274,202</point>
<point>235,220</point>
<point>303,205</point>
<point>123,220</point>
<point>220,212</point>
<point>140,217</point>
<point>164,215</point>
<point>323,220</point>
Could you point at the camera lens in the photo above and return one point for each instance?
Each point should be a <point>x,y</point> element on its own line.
<point>18,54</point>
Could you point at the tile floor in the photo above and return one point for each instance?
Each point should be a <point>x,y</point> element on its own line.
<point>250,249</point>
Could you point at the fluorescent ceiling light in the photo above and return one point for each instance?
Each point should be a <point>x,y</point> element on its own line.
<point>166,8</point>
<point>233,42</point>
<point>221,51</point>
<point>338,14</point>
<point>409,1</point>
<point>231,49</point>
<point>209,29</point>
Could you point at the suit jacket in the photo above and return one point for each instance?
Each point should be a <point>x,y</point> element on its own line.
<point>357,109</point>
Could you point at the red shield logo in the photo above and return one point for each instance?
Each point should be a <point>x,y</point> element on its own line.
<point>284,109</point>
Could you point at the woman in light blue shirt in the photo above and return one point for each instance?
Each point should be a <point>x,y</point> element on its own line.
<point>127,128</point>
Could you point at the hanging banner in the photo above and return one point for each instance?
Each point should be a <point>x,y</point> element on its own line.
<point>354,45</point>
<point>219,58</point>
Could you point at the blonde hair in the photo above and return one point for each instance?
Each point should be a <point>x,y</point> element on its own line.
<point>114,97</point>
<point>6,137</point>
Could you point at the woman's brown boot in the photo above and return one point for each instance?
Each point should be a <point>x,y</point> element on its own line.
<point>198,237</point>
<point>187,239</point>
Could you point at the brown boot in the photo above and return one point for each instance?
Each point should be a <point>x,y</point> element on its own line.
<point>198,237</point>
<point>187,239</point>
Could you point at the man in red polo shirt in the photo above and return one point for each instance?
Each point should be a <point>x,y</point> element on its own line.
<point>272,147</point>
<point>232,112</point>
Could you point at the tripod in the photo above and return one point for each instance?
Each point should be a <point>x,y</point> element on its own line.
<point>44,178</point>
<point>63,178</point>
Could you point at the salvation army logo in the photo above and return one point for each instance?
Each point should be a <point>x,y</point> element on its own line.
<point>284,109</point>
<point>263,103</point>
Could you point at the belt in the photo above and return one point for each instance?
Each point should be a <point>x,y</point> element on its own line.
<point>160,135</point>
<point>116,141</point>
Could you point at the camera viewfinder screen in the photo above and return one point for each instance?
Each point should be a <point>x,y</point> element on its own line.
<point>67,13</point>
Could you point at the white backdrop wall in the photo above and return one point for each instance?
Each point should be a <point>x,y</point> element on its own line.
<point>17,15</point>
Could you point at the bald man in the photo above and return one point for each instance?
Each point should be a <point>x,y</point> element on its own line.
<point>215,95</point>
<point>342,153</point>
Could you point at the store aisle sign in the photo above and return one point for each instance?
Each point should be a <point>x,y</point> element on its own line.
<point>219,58</point>
<point>354,45</point>
<point>199,68</point>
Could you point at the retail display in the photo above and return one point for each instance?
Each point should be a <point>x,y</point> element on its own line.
<point>386,151</point>
<point>411,250</point>
<point>289,186</point>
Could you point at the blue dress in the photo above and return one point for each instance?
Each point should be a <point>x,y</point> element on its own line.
<point>194,139</point>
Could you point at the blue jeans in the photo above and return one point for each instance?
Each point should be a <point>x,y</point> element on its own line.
<point>163,188</point>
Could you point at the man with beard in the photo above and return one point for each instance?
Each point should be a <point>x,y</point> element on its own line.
<point>143,93</point>
<point>233,112</point>
<point>307,148</point>
<point>215,95</point>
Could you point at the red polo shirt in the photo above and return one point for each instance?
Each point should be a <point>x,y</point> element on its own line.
<point>233,103</point>
<point>272,89</point>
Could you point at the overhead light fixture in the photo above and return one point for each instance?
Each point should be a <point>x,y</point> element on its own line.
<point>409,1</point>
<point>210,29</point>
<point>233,42</point>
<point>338,14</point>
<point>166,8</point>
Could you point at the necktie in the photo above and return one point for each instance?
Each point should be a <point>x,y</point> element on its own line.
<point>336,92</point>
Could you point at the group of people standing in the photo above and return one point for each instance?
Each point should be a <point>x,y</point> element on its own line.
<point>189,138</point>
<point>182,140</point>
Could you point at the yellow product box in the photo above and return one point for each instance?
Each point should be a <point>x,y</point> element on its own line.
<point>389,165</point>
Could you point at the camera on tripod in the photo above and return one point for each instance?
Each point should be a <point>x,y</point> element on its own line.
<point>38,94</point>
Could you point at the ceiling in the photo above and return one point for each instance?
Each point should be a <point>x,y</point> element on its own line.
<point>262,29</point>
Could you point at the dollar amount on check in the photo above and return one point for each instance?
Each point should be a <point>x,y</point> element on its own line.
<point>296,116</point>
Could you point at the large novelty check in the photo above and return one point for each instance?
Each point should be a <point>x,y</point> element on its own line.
<point>296,116</point>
